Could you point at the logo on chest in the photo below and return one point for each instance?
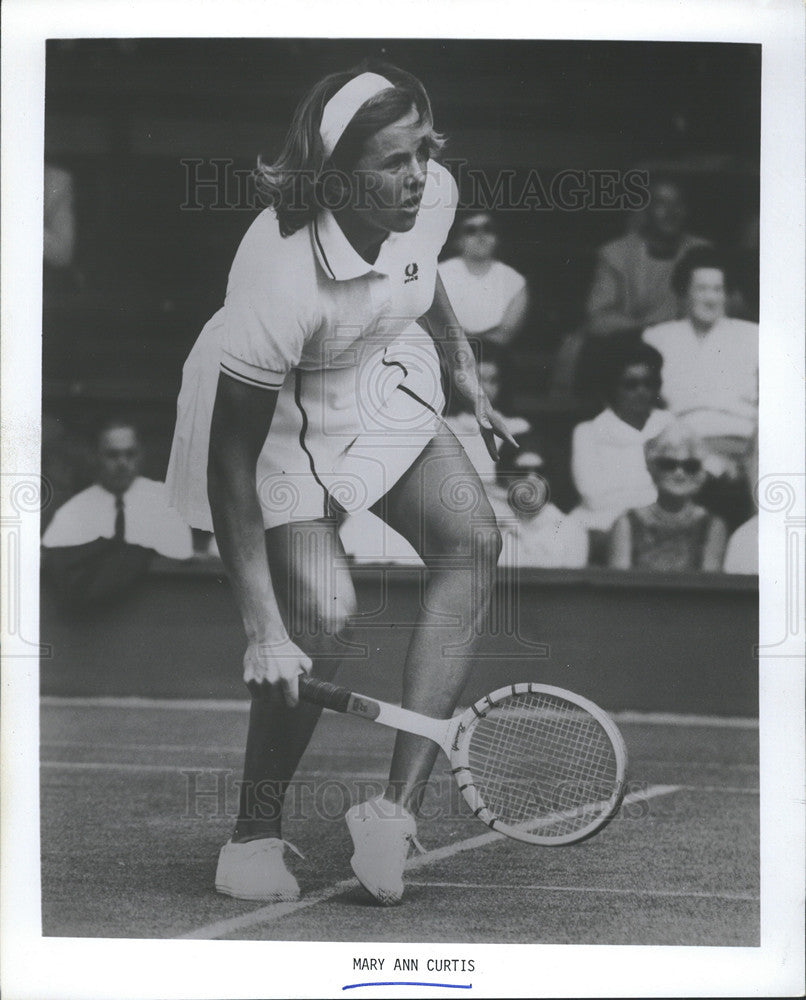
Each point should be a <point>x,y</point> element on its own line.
<point>410,271</point>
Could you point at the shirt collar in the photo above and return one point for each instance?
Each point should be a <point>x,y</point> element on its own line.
<point>339,260</point>
<point>134,490</point>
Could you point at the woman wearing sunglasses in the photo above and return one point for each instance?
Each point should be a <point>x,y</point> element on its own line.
<point>673,534</point>
<point>607,453</point>
<point>489,297</point>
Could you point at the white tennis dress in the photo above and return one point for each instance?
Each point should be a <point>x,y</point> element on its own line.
<point>359,384</point>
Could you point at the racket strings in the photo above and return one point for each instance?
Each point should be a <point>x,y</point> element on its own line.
<point>540,760</point>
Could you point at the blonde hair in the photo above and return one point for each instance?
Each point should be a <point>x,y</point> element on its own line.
<point>292,185</point>
<point>674,437</point>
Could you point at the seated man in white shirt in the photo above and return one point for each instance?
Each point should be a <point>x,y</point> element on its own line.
<point>710,375</point>
<point>101,542</point>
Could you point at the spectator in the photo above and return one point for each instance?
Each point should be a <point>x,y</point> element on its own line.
<point>465,426</point>
<point>59,276</point>
<point>490,298</point>
<point>607,453</point>
<point>742,552</point>
<point>68,463</point>
<point>533,530</point>
<point>673,534</point>
<point>710,378</point>
<point>100,543</point>
<point>632,278</point>
<point>59,217</point>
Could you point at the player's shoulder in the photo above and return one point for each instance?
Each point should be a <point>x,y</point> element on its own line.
<point>440,187</point>
<point>264,248</point>
<point>438,205</point>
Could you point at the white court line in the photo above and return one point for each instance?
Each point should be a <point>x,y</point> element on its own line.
<point>714,765</point>
<point>727,789</point>
<point>73,765</point>
<point>276,911</point>
<point>381,754</point>
<point>739,897</point>
<point>140,747</point>
<point>672,719</point>
<point>171,704</point>
<point>80,765</point>
<point>77,765</point>
<point>234,705</point>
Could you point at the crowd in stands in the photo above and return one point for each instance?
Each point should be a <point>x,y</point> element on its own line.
<point>664,473</point>
<point>99,545</point>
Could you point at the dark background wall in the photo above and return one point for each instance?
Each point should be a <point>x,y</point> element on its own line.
<point>628,641</point>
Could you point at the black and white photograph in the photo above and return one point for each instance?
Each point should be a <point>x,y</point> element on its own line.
<point>403,503</point>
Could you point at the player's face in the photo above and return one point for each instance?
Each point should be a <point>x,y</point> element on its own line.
<point>705,302</point>
<point>390,176</point>
<point>118,458</point>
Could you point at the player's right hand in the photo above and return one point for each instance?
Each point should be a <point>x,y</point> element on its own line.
<point>273,664</point>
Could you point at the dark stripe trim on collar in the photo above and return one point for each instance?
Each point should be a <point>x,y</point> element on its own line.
<point>322,249</point>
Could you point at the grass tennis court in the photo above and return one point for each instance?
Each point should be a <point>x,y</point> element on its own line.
<point>137,797</point>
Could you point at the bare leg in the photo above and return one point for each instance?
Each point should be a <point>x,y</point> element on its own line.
<point>441,509</point>
<point>317,599</point>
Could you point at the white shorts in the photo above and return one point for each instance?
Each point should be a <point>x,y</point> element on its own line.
<point>346,433</point>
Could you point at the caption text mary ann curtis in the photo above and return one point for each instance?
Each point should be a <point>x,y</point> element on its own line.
<point>400,964</point>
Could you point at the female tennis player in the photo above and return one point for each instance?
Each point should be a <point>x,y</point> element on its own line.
<point>312,392</point>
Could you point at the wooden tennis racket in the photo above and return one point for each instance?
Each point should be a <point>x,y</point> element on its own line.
<point>533,762</point>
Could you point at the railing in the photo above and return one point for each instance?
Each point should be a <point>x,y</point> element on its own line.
<point>646,642</point>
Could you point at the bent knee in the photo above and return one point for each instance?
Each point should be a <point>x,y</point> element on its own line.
<point>477,549</point>
<point>318,624</point>
<point>334,615</point>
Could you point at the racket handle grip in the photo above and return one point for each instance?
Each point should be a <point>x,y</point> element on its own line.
<point>323,693</point>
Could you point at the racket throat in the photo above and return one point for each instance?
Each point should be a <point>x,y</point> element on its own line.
<point>400,718</point>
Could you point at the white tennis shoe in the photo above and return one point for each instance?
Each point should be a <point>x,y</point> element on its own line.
<point>255,870</point>
<point>382,834</point>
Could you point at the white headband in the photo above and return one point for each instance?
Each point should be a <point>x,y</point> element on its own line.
<point>342,106</point>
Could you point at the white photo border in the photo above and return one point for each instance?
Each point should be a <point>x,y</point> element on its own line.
<point>74,968</point>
